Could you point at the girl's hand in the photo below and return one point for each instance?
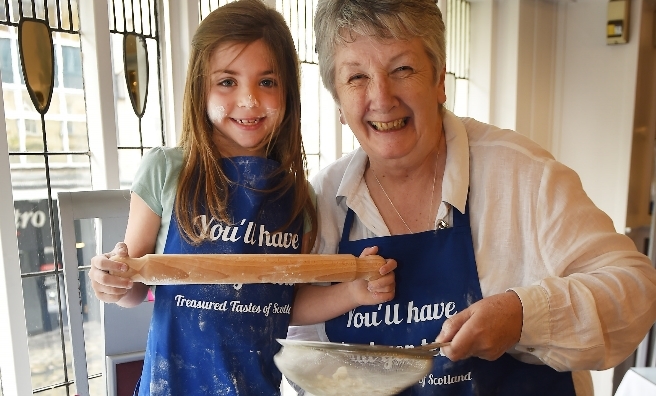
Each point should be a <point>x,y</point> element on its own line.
<point>378,290</point>
<point>110,288</point>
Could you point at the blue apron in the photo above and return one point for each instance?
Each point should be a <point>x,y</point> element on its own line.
<point>220,339</point>
<point>437,277</point>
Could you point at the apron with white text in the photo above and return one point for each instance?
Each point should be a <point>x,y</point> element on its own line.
<point>220,339</point>
<point>437,277</point>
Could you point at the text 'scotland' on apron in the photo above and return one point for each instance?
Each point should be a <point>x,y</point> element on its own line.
<point>220,339</point>
<point>436,278</point>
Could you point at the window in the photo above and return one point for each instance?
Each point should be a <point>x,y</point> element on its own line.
<point>299,16</point>
<point>43,161</point>
<point>41,164</point>
<point>456,19</point>
<point>136,20</point>
<point>6,65</point>
<point>207,6</point>
<point>72,70</point>
<point>49,151</point>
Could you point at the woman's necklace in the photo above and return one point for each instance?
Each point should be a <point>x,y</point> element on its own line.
<point>430,207</point>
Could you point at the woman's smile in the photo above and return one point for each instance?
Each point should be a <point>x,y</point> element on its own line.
<point>383,126</point>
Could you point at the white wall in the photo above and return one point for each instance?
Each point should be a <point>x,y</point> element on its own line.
<point>505,63</point>
<point>480,54</point>
<point>549,74</point>
<point>595,103</point>
<point>536,74</point>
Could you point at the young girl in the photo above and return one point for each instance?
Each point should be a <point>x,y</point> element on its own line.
<point>236,179</point>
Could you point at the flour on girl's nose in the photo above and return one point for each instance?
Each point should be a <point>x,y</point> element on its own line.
<point>250,102</point>
<point>216,113</point>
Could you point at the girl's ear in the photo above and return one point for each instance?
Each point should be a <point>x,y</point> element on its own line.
<point>341,117</point>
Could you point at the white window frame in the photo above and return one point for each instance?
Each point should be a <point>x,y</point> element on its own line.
<point>14,361</point>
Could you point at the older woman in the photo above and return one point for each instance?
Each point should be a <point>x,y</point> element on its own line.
<point>499,249</point>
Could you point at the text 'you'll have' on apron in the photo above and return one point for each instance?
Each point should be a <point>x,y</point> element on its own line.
<point>220,339</point>
<point>437,277</point>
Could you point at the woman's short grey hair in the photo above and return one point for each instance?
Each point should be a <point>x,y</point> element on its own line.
<point>336,21</point>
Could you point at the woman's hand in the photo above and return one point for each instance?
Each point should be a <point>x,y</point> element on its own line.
<point>486,329</point>
<point>378,290</point>
<point>110,288</point>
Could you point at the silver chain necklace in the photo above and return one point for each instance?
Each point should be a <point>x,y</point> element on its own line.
<point>430,208</point>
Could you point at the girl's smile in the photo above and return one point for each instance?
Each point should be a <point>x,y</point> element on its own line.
<point>244,98</point>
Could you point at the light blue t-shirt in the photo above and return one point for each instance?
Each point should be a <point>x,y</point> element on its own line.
<point>156,182</point>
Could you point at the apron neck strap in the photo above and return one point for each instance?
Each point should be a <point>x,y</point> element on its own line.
<point>348,222</point>
<point>460,219</point>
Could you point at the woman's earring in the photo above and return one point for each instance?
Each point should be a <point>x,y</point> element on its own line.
<point>341,117</point>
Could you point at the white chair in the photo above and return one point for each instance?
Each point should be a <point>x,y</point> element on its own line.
<point>123,331</point>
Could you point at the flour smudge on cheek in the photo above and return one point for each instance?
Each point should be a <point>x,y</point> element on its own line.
<point>272,113</point>
<point>216,113</point>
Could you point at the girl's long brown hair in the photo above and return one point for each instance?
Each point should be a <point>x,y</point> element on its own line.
<point>202,179</point>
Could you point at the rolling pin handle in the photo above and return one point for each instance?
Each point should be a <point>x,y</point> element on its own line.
<point>369,267</point>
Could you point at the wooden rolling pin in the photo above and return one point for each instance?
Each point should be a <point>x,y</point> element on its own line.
<point>166,269</point>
